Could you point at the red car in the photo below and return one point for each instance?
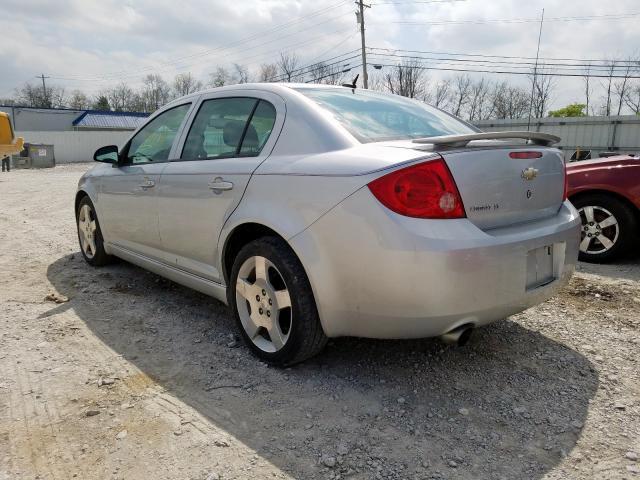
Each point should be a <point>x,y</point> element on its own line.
<point>606,192</point>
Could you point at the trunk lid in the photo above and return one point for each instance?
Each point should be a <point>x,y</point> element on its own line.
<point>498,190</point>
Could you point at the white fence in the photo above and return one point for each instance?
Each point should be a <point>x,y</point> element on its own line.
<point>598,134</point>
<point>75,146</point>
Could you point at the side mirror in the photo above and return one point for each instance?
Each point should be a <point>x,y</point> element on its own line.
<point>108,154</point>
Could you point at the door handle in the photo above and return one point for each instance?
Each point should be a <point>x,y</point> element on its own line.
<point>148,183</point>
<point>218,185</point>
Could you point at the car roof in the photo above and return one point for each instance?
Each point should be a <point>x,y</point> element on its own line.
<point>265,87</point>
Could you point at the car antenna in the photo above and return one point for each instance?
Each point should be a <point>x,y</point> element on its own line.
<point>352,85</point>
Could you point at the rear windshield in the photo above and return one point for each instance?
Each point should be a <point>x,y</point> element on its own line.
<point>374,117</point>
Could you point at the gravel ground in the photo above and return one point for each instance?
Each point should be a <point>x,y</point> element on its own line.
<point>117,373</point>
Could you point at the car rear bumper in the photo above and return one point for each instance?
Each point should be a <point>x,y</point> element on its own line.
<point>378,274</point>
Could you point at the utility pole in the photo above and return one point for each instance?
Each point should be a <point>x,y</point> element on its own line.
<point>535,72</point>
<point>360,15</point>
<point>44,90</point>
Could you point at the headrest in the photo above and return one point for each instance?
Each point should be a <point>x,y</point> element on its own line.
<point>233,131</point>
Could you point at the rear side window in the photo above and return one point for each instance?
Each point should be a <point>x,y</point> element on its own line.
<point>229,127</point>
<point>259,129</point>
<point>373,116</point>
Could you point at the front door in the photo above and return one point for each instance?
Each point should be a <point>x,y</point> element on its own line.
<point>228,139</point>
<point>128,194</point>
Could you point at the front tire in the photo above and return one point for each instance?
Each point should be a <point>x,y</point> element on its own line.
<point>272,301</point>
<point>90,235</point>
<point>609,227</point>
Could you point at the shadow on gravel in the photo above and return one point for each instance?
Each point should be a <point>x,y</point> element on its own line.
<point>509,405</point>
<point>627,268</point>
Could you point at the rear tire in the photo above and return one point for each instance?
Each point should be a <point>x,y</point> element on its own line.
<point>609,227</point>
<point>90,235</point>
<point>271,298</point>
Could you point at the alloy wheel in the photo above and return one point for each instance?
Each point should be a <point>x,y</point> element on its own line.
<point>264,304</point>
<point>87,231</point>
<point>600,230</point>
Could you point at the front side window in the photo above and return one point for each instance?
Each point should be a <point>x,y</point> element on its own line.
<point>374,117</point>
<point>153,142</point>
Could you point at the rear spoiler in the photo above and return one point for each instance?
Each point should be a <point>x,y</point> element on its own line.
<point>536,138</point>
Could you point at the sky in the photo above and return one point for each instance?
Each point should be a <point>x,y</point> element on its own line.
<point>91,45</point>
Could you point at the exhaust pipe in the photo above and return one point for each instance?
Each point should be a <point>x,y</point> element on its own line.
<point>458,336</point>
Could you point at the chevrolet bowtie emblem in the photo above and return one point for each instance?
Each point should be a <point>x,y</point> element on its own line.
<point>529,173</point>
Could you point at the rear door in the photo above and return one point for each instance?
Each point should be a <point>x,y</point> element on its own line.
<point>127,194</point>
<point>230,135</point>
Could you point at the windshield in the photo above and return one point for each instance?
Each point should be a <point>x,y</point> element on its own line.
<point>374,117</point>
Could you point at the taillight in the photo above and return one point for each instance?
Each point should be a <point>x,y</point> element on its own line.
<point>524,155</point>
<point>565,193</point>
<point>425,190</point>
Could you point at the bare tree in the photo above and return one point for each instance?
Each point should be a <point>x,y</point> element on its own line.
<point>632,99</point>
<point>460,94</point>
<point>288,64</point>
<point>184,84</point>
<point>407,79</point>
<point>441,94</point>
<point>376,81</point>
<point>241,74</point>
<point>268,72</point>
<point>317,71</point>
<point>323,73</point>
<point>78,100</point>
<point>606,109</point>
<point>122,98</point>
<point>219,78</point>
<point>155,92</point>
<point>543,87</point>
<point>622,86</point>
<point>479,100</point>
<point>32,95</point>
<point>508,101</point>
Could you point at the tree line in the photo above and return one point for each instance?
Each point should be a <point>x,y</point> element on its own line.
<point>470,97</point>
<point>615,92</point>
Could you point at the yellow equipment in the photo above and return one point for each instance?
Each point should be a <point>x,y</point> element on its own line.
<point>9,145</point>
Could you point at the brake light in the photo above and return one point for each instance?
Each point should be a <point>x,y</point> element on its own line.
<point>425,190</point>
<point>565,193</point>
<point>524,155</point>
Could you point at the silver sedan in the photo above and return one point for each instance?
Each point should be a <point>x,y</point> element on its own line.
<point>318,212</point>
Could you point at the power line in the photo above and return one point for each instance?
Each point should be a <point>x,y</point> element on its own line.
<point>408,2</point>
<point>588,61</point>
<point>258,36</point>
<point>506,64</point>
<point>344,70</point>
<point>349,37</point>
<point>259,55</point>
<point>506,72</point>
<point>301,71</point>
<point>621,16</point>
